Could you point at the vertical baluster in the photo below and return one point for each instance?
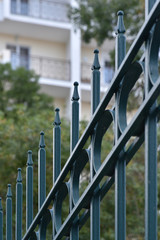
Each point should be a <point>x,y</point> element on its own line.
<point>120,170</point>
<point>29,190</point>
<point>74,234</point>
<point>56,156</point>
<point>95,202</point>
<point>41,171</point>
<point>75,117</point>
<point>19,192</point>
<point>57,146</point>
<point>1,220</point>
<point>150,152</point>
<point>9,214</point>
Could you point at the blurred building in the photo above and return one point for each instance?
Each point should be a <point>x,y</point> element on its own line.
<point>38,35</point>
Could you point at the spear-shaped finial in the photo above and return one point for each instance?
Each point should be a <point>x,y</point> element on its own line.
<point>29,160</point>
<point>57,117</point>
<point>96,65</point>
<point>120,24</point>
<point>19,176</point>
<point>1,209</point>
<point>9,192</point>
<point>75,96</point>
<point>41,142</point>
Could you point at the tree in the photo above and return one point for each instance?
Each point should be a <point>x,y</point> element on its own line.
<point>97,18</point>
<point>20,86</point>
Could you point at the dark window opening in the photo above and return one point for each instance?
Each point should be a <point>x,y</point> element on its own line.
<point>108,72</point>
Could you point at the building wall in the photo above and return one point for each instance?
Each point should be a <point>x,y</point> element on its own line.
<point>37,47</point>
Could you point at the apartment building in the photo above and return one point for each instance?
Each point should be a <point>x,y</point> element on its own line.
<point>38,35</point>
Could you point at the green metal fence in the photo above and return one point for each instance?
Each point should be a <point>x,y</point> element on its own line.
<point>142,126</point>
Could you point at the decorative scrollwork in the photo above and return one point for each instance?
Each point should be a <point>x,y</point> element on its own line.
<point>102,126</point>
<point>154,53</point>
<point>61,195</point>
<point>129,80</point>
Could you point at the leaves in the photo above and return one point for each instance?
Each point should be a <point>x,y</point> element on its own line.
<point>98,18</point>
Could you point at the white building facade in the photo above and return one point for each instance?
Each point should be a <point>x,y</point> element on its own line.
<point>38,35</point>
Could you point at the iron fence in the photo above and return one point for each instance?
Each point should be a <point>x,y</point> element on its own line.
<point>142,126</point>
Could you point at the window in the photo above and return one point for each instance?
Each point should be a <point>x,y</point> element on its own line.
<point>108,72</point>
<point>20,7</point>
<point>24,7</point>
<point>19,56</point>
<point>24,57</point>
<point>13,6</point>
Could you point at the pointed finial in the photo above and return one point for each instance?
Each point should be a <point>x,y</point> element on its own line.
<point>29,160</point>
<point>120,24</point>
<point>41,142</point>
<point>96,64</point>
<point>19,176</point>
<point>57,117</point>
<point>9,192</point>
<point>75,96</point>
<point>1,209</point>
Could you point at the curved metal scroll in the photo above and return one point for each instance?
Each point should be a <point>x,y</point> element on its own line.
<point>34,236</point>
<point>130,79</point>
<point>61,195</point>
<point>44,223</point>
<point>102,126</point>
<point>154,52</point>
<point>79,165</point>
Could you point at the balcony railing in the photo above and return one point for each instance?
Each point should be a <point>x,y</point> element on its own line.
<point>44,9</point>
<point>51,68</point>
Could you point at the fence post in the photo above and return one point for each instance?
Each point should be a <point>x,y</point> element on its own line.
<point>74,233</point>
<point>57,146</point>
<point>56,157</point>
<point>95,201</point>
<point>41,171</point>
<point>29,190</point>
<point>120,169</point>
<point>9,214</point>
<point>150,150</point>
<point>1,220</point>
<point>19,196</point>
<point>75,117</point>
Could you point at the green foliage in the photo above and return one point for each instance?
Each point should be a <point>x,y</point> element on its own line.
<point>97,18</point>
<point>20,86</point>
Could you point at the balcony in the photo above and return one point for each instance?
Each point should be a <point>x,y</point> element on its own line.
<point>50,68</point>
<point>43,9</point>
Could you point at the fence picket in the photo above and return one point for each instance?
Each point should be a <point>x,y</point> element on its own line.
<point>74,233</point>
<point>120,174</point>
<point>95,202</point>
<point>56,167</point>
<point>19,197</point>
<point>41,171</point>
<point>1,220</point>
<point>29,190</point>
<point>150,146</point>
<point>9,213</point>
